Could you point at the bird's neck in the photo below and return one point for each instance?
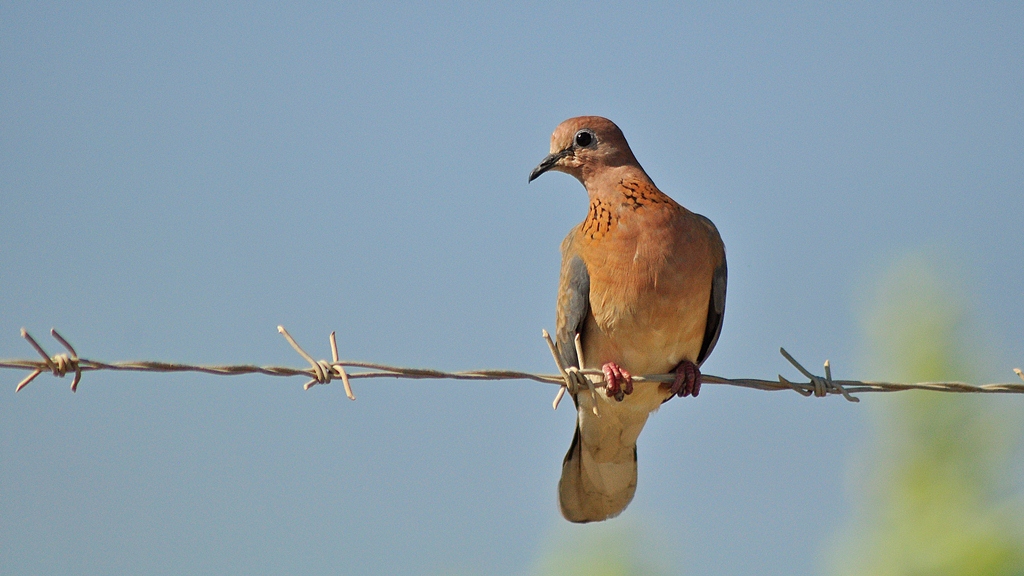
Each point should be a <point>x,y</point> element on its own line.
<point>623,185</point>
<point>595,175</point>
<point>626,196</point>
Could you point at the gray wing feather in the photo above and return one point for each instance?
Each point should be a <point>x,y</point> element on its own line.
<point>716,312</point>
<point>573,307</point>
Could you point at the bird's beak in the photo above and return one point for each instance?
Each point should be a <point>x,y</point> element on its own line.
<point>549,163</point>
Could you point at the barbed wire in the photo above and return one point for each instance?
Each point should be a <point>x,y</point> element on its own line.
<point>568,378</point>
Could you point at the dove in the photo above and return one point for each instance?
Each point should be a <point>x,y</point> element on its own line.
<point>643,283</point>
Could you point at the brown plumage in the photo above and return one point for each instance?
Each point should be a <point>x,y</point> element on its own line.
<point>643,282</point>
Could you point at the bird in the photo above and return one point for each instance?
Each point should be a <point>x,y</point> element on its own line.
<point>643,284</point>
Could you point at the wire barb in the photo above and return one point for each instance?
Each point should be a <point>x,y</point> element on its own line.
<point>578,373</point>
<point>822,386</point>
<point>322,370</point>
<point>59,365</point>
<point>341,369</point>
<point>568,384</point>
<point>574,378</point>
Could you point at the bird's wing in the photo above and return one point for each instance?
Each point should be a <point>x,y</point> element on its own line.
<point>573,300</point>
<point>716,303</point>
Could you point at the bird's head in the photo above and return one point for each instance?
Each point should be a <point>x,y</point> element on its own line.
<point>583,145</point>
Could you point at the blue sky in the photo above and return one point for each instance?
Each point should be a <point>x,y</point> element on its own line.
<point>178,179</point>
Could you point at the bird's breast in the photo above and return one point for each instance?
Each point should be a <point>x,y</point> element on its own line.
<point>650,283</point>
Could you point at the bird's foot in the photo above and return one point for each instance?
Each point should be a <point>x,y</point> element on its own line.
<point>620,382</point>
<point>687,380</point>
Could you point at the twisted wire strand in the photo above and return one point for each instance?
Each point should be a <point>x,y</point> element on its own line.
<point>571,379</point>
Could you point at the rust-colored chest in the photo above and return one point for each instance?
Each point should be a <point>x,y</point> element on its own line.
<point>650,263</point>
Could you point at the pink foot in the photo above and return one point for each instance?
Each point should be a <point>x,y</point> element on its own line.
<point>619,383</point>
<point>687,380</point>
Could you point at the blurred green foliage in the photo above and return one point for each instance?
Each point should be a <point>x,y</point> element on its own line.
<point>936,492</point>
<point>619,548</point>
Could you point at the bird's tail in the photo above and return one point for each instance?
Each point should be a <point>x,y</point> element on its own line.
<point>598,481</point>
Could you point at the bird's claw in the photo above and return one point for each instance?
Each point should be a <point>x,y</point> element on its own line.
<point>619,381</point>
<point>687,382</point>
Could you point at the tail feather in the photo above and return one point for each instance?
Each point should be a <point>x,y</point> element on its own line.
<point>596,485</point>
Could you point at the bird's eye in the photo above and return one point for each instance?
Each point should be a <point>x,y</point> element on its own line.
<point>584,138</point>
